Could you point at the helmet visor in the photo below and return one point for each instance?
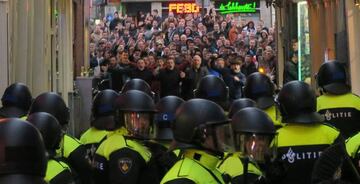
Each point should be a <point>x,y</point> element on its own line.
<point>140,124</point>
<point>219,137</point>
<point>257,147</point>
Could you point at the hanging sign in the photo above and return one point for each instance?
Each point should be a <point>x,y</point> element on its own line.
<point>184,8</point>
<point>236,7</point>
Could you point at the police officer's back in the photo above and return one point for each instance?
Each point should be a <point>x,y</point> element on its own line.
<point>57,172</point>
<point>104,120</point>
<point>200,130</point>
<point>339,106</point>
<point>259,88</point>
<point>124,159</point>
<point>253,132</point>
<point>304,137</point>
<point>16,101</point>
<point>164,119</point>
<point>23,159</point>
<point>70,148</point>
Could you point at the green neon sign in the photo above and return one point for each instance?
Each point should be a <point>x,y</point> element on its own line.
<point>235,7</point>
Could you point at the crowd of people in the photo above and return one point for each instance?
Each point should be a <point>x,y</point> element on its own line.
<point>173,53</point>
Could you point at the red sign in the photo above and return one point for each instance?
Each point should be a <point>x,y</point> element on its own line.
<point>184,8</point>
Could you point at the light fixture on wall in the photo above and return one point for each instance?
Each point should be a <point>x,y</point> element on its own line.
<point>357,3</point>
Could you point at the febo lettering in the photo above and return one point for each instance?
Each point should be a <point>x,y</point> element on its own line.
<point>184,8</point>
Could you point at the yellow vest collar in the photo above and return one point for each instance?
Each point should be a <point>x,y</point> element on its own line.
<point>205,159</point>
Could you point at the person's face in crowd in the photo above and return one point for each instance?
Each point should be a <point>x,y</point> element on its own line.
<point>124,57</point>
<point>116,15</point>
<point>228,17</point>
<point>270,38</point>
<point>200,26</point>
<point>104,68</point>
<point>172,47</point>
<point>188,32</point>
<point>197,41</point>
<point>248,59</point>
<point>172,25</point>
<point>222,38</point>
<point>141,64</point>
<point>252,44</point>
<point>205,39</point>
<point>252,35</point>
<point>183,38</point>
<point>176,38</point>
<point>170,64</point>
<point>154,13</point>
<point>92,47</point>
<point>268,55</point>
<point>196,61</point>
<point>219,43</point>
<point>223,24</point>
<point>295,46</point>
<point>151,59</point>
<point>155,24</point>
<point>216,27</point>
<point>263,35</point>
<point>132,26</point>
<point>227,43</point>
<point>166,51</point>
<point>107,54</point>
<point>181,24</point>
<point>141,45</point>
<point>136,55</point>
<point>258,28</point>
<point>160,63</point>
<point>271,31</point>
<point>97,30</point>
<point>220,63</point>
<point>171,14</point>
<point>235,67</point>
<point>207,56</point>
<point>244,33</point>
<point>190,23</point>
<point>191,45</point>
<point>113,62</point>
<point>105,34</point>
<point>233,23</point>
<point>251,25</point>
<point>101,45</point>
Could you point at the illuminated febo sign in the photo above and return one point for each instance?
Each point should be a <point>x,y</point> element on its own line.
<point>184,8</point>
<point>238,7</point>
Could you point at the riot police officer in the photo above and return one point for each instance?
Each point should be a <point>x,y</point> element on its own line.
<point>339,106</point>
<point>164,119</point>
<point>124,159</point>
<point>239,104</point>
<point>259,88</point>
<point>16,101</point>
<point>304,137</point>
<point>253,132</point>
<point>213,88</point>
<point>104,120</point>
<point>57,172</point>
<point>70,148</point>
<point>23,157</point>
<point>202,131</point>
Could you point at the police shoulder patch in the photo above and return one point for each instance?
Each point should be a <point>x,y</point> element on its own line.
<point>125,165</point>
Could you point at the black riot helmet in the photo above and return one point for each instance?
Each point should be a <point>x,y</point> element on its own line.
<point>253,131</point>
<point>199,122</point>
<point>213,88</point>
<point>297,103</point>
<point>259,88</point>
<point>104,110</point>
<point>49,128</point>
<point>165,117</point>
<point>53,104</point>
<point>22,153</point>
<point>239,104</point>
<point>137,110</point>
<point>16,101</point>
<point>138,84</point>
<point>331,78</point>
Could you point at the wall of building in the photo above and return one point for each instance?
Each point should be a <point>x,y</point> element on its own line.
<point>3,45</point>
<point>353,26</point>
